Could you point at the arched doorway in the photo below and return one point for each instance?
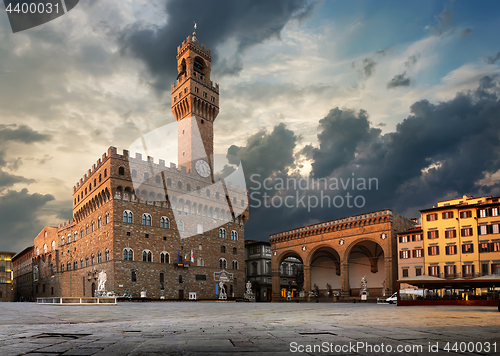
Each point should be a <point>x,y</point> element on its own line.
<point>366,259</point>
<point>325,272</point>
<point>291,273</point>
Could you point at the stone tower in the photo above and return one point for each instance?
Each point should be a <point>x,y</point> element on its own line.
<point>195,104</point>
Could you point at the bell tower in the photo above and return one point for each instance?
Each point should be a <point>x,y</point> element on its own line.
<point>195,104</point>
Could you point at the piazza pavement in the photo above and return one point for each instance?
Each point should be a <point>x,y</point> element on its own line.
<point>197,328</point>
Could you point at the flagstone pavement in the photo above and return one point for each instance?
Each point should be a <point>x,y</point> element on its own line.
<point>247,329</point>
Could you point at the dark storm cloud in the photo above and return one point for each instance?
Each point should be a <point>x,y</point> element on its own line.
<point>438,151</point>
<point>413,59</point>
<point>492,60</point>
<point>18,218</point>
<point>21,133</point>
<point>248,22</point>
<point>465,33</point>
<point>368,67</point>
<point>399,80</point>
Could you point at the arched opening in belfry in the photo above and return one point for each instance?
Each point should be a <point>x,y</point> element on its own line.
<point>325,272</point>
<point>199,65</point>
<point>182,69</point>
<point>366,259</point>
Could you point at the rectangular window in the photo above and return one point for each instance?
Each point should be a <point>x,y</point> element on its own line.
<point>482,213</point>
<point>196,89</point>
<point>201,277</point>
<point>495,268</point>
<point>494,229</point>
<point>205,94</point>
<point>434,234</point>
<point>134,276</point>
<point>494,211</point>
<point>450,271</point>
<point>417,253</point>
<point>450,234</point>
<point>418,271</point>
<point>484,247</point>
<point>468,270</point>
<point>466,231</point>
<point>467,248</point>
<point>465,214</point>
<point>451,250</point>
<point>434,271</point>
<point>482,230</point>
<point>495,246</point>
<point>433,250</point>
<point>180,278</point>
<point>403,239</point>
<point>404,254</point>
<point>432,217</point>
<point>254,250</point>
<point>417,237</point>
<point>448,215</point>
<point>405,272</point>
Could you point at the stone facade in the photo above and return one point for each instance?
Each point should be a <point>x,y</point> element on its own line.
<point>337,253</point>
<point>163,230</point>
<point>22,265</point>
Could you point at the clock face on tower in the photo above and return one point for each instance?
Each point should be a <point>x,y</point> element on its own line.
<point>202,168</point>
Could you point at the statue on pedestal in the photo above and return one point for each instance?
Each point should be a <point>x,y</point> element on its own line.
<point>249,294</point>
<point>222,291</point>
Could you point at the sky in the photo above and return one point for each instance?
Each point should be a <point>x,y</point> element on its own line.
<point>403,93</point>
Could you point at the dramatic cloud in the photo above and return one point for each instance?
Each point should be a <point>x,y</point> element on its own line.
<point>438,151</point>
<point>465,33</point>
<point>399,80</point>
<point>18,218</point>
<point>368,67</point>
<point>246,23</point>
<point>492,60</point>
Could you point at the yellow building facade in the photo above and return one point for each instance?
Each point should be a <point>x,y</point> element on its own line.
<point>461,238</point>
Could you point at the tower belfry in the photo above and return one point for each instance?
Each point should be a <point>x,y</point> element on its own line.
<point>195,103</point>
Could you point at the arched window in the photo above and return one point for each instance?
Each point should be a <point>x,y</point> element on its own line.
<point>158,179</point>
<point>106,218</point>
<point>92,226</point>
<point>105,173</point>
<point>164,222</point>
<point>86,230</point>
<point>188,187</point>
<point>121,171</point>
<point>81,233</point>
<point>99,257</point>
<point>223,249</point>
<point>235,251</point>
<point>95,183</point>
<point>75,265</point>
<point>180,225</point>
<point>235,264</point>
<point>92,260</point>
<point>106,256</point>
<point>128,254</point>
<point>200,262</point>
<point>222,263</point>
<point>234,235</point>
<point>164,257</point>
<point>99,222</point>
<point>69,238</point>
<point>53,246</point>
<point>44,248</point>
<point>62,240</point>
<point>146,219</point>
<point>179,184</point>
<point>75,236</point>
<point>169,182</point>
<point>222,233</point>
<point>146,175</point>
<point>100,178</point>
<point>86,261</point>
<point>127,216</point>
<point>81,262</point>
<point>147,256</point>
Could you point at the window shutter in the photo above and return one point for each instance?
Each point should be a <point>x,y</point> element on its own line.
<point>429,250</point>
<point>437,252</point>
<point>438,267</point>
<point>400,239</point>
<point>472,248</point>
<point>473,267</point>
<point>429,271</point>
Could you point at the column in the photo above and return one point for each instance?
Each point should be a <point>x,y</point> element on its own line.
<point>344,279</point>
<point>307,279</point>
<point>389,277</point>
<point>275,275</point>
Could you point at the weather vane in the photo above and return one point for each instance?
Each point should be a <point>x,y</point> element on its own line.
<point>194,32</point>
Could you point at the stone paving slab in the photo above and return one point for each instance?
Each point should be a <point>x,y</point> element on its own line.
<point>136,329</point>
